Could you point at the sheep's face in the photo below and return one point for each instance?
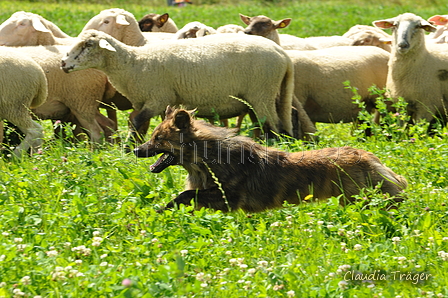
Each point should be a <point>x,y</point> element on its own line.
<point>88,53</point>
<point>20,28</point>
<point>408,31</point>
<point>112,21</point>
<point>262,25</point>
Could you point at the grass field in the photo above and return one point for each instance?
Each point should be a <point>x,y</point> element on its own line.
<point>82,222</point>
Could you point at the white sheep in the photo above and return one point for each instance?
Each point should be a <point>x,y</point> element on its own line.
<point>79,93</point>
<point>23,86</point>
<point>320,76</point>
<point>154,22</point>
<point>29,29</point>
<point>198,73</point>
<point>230,28</point>
<point>123,26</point>
<point>194,30</point>
<point>418,72</point>
<point>441,33</point>
<point>364,35</point>
<point>266,27</point>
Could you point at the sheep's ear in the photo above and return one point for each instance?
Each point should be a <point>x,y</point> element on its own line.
<point>37,24</point>
<point>245,19</point>
<point>121,20</point>
<point>282,23</point>
<point>425,25</point>
<point>182,120</point>
<point>164,18</point>
<point>106,45</point>
<point>438,20</point>
<point>384,24</point>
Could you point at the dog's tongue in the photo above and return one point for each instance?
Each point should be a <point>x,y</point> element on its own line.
<point>161,159</point>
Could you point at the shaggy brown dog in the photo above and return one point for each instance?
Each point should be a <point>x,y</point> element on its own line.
<point>228,172</point>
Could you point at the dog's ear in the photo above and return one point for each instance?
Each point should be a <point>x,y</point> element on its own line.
<point>182,120</point>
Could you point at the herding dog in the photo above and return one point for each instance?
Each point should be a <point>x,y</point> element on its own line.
<point>228,172</point>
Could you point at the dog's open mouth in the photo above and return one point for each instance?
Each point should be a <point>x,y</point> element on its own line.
<point>162,163</point>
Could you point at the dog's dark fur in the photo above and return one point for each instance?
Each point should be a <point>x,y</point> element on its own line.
<point>228,172</point>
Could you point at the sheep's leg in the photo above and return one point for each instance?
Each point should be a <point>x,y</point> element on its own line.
<point>143,128</point>
<point>92,126</point>
<point>112,115</point>
<point>138,123</point>
<point>107,125</point>
<point>33,134</point>
<point>1,132</point>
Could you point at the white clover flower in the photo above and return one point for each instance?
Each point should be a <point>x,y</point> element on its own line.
<point>21,247</point>
<point>204,285</point>
<point>2,258</point>
<point>2,284</point>
<point>184,252</point>
<point>6,234</point>
<point>103,256</point>
<point>263,263</point>
<point>371,286</point>
<point>82,249</point>
<point>344,267</point>
<point>343,284</point>
<point>233,261</point>
<point>357,247</point>
<point>18,293</point>
<point>443,255</point>
<point>243,266</point>
<point>18,240</point>
<point>252,271</point>
<point>200,276</point>
<point>26,280</point>
<point>228,253</point>
<point>143,232</point>
<point>154,240</point>
<point>320,222</point>
<point>276,224</point>
<point>52,253</point>
<point>96,233</point>
<point>291,294</point>
<point>103,264</point>
<point>395,240</point>
<point>78,262</point>
<point>401,259</point>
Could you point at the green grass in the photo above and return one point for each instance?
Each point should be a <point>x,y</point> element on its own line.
<point>82,222</point>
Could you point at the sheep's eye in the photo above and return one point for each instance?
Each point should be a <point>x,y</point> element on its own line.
<point>106,21</point>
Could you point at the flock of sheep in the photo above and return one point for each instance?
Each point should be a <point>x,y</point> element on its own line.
<point>117,62</point>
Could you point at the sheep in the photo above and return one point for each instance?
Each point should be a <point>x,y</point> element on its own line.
<point>123,26</point>
<point>157,23</point>
<point>79,93</point>
<point>418,72</point>
<point>364,35</point>
<point>29,29</point>
<point>440,35</point>
<point>23,86</point>
<point>319,76</point>
<point>193,30</point>
<point>200,73</point>
<point>266,27</point>
<point>230,28</point>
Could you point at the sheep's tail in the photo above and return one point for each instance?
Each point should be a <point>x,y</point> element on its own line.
<point>41,95</point>
<point>285,100</point>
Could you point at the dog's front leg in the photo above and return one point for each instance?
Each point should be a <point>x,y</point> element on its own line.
<point>210,198</point>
